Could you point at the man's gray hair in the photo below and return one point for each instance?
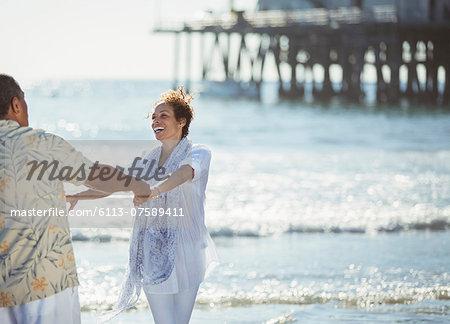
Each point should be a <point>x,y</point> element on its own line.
<point>9,88</point>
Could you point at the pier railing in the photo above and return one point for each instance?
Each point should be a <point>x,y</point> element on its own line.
<point>282,18</point>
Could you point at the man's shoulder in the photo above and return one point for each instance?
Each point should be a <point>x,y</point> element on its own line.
<point>49,139</point>
<point>42,142</point>
<point>30,132</point>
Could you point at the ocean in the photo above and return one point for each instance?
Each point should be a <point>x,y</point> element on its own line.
<point>329,213</point>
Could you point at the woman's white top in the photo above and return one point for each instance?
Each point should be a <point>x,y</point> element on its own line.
<point>195,254</point>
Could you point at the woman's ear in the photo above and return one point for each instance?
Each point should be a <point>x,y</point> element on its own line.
<point>182,122</point>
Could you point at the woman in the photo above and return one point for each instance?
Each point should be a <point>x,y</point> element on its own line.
<point>170,254</point>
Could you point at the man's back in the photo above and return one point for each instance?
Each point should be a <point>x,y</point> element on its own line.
<point>36,256</point>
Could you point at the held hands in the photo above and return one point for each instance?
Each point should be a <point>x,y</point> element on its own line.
<point>72,200</point>
<point>139,200</point>
<point>142,194</point>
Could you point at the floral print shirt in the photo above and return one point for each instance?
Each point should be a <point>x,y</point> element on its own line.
<point>36,255</point>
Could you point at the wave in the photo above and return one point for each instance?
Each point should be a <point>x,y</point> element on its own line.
<point>435,225</point>
<point>105,235</point>
<point>345,299</point>
<point>288,318</point>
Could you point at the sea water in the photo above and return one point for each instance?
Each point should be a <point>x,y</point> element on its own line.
<point>320,213</point>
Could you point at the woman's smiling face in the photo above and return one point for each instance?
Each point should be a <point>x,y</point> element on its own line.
<point>164,124</point>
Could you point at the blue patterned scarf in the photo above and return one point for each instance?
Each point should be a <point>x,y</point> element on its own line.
<point>158,232</point>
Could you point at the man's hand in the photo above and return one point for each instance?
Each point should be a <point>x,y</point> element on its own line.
<point>139,200</point>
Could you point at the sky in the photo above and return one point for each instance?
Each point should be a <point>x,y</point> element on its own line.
<point>100,39</point>
<point>105,39</point>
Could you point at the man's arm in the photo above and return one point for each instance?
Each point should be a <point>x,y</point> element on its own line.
<point>84,195</point>
<point>119,182</point>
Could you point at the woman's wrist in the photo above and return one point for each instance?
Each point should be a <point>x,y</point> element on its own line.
<point>155,192</point>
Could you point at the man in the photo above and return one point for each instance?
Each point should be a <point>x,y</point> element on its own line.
<point>38,279</point>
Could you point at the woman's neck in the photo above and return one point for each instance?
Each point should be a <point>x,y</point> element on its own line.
<point>168,146</point>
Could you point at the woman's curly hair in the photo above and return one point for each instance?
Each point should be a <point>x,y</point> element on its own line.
<point>180,101</point>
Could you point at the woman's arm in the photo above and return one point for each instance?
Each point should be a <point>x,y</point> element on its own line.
<point>183,174</point>
<point>193,167</point>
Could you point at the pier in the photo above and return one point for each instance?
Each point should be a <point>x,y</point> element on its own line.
<point>328,51</point>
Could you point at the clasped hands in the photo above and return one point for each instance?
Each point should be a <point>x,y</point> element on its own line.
<point>142,197</point>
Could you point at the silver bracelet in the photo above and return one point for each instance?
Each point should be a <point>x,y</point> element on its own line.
<point>158,194</point>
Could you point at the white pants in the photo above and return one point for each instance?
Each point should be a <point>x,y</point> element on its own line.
<point>63,307</point>
<point>172,308</point>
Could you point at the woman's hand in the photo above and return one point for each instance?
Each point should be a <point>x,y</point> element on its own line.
<point>72,200</point>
